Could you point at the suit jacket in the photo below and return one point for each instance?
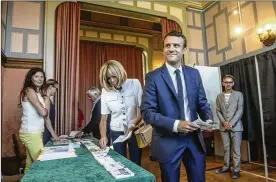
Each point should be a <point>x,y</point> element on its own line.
<point>93,125</point>
<point>160,108</point>
<point>231,112</point>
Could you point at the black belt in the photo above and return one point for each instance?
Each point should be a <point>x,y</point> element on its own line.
<point>186,134</point>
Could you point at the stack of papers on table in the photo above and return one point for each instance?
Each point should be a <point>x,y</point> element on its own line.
<point>116,169</point>
<point>121,173</point>
<point>61,142</point>
<point>55,149</point>
<point>56,152</point>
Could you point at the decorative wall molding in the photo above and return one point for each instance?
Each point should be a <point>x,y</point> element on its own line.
<point>20,63</point>
<point>3,58</point>
<point>111,36</point>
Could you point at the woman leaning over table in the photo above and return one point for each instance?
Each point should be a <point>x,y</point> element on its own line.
<point>33,114</point>
<point>121,97</point>
<point>51,89</point>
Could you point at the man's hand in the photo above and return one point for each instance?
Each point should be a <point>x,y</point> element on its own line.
<point>186,126</point>
<point>103,142</point>
<point>227,125</point>
<point>79,134</point>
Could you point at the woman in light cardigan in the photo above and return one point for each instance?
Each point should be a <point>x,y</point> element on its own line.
<point>121,97</point>
<point>33,115</point>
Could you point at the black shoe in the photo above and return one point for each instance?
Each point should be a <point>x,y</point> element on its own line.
<point>220,171</point>
<point>236,175</point>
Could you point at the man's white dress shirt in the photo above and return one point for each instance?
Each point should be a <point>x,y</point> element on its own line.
<point>172,73</point>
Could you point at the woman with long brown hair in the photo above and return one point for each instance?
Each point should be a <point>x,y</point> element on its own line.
<point>33,114</point>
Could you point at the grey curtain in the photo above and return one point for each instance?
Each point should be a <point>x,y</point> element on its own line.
<point>244,72</point>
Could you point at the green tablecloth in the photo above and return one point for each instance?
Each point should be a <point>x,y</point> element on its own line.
<point>82,168</point>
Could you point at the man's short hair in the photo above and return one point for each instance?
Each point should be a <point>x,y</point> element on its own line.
<point>175,33</point>
<point>229,76</point>
<point>93,90</point>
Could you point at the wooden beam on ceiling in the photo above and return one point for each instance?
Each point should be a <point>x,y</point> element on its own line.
<point>119,27</point>
<point>119,12</point>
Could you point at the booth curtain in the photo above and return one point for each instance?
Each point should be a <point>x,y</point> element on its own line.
<point>244,72</point>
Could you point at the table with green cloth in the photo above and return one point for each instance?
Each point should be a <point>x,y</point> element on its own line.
<point>83,168</point>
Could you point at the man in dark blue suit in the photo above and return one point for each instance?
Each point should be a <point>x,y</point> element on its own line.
<point>173,98</point>
<point>93,126</point>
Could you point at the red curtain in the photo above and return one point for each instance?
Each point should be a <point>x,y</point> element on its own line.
<point>169,25</point>
<point>93,55</point>
<point>67,23</point>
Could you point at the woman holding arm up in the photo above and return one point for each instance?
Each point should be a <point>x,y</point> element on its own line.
<point>33,114</point>
<point>121,97</point>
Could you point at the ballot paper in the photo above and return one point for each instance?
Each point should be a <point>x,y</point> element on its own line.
<point>208,125</point>
<point>54,155</point>
<point>56,152</point>
<point>123,138</point>
<point>101,153</point>
<point>90,145</point>
<point>109,164</point>
<point>55,149</point>
<point>104,160</point>
<point>113,166</point>
<point>61,142</point>
<point>116,169</point>
<point>121,173</point>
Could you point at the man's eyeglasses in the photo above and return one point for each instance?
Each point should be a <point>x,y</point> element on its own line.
<point>228,82</point>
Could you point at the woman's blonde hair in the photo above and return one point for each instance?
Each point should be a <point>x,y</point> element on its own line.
<point>112,68</point>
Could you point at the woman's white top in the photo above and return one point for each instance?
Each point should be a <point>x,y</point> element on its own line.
<point>32,122</point>
<point>122,104</point>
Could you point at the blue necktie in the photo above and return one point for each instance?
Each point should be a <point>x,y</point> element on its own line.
<point>180,93</point>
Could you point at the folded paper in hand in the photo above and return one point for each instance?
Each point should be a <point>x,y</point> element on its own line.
<point>123,138</point>
<point>208,125</point>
